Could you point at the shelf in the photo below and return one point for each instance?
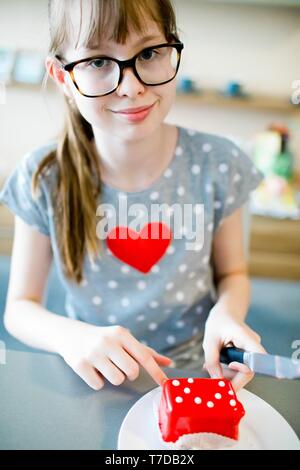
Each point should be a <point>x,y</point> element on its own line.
<point>253,102</point>
<point>259,3</point>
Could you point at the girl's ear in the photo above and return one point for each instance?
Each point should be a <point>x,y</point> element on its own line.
<point>58,75</point>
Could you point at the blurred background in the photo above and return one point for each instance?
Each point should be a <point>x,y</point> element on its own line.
<point>240,77</point>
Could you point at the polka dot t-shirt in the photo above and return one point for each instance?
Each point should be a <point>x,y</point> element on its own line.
<point>209,177</point>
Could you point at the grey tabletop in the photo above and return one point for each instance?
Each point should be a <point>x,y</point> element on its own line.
<point>45,405</point>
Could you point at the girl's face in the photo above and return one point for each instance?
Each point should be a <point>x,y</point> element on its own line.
<point>106,113</point>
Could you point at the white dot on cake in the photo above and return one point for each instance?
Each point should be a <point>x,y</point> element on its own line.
<point>230,392</point>
<point>179,399</point>
<point>187,390</point>
<point>232,402</point>
<point>197,400</point>
<point>221,383</point>
<point>175,383</point>
<point>210,404</point>
<point>190,381</point>
<point>218,396</point>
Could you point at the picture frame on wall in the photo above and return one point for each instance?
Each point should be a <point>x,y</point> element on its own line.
<point>7,61</point>
<point>29,67</point>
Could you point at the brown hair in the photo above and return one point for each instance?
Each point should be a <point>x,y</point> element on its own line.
<point>79,181</point>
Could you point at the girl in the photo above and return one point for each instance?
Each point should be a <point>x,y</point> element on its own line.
<point>129,302</point>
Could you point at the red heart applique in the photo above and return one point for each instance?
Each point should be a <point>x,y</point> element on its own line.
<point>140,250</point>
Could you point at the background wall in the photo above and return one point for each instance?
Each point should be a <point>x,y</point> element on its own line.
<point>258,45</point>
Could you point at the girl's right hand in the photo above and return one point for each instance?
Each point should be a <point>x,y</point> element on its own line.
<point>97,353</point>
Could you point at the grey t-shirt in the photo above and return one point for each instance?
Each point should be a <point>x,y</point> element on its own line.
<point>167,306</point>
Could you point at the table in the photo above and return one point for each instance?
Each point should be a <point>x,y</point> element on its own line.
<point>45,405</point>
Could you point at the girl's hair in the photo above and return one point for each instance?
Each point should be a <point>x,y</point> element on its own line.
<point>76,195</point>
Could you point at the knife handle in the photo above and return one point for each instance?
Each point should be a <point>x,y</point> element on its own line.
<point>231,354</point>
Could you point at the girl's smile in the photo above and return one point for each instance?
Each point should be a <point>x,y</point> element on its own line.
<point>135,115</point>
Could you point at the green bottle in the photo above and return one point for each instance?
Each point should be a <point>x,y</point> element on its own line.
<point>283,164</point>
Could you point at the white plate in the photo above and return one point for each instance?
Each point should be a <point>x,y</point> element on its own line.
<point>261,428</point>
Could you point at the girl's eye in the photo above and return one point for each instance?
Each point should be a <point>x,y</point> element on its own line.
<point>99,63</point>
<point>148,54</point>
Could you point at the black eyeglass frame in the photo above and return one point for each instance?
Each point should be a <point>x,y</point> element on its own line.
<point>123,64</point>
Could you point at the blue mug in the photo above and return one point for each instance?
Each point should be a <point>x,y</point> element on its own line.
<point>186,85</point>
<point>234,88</point>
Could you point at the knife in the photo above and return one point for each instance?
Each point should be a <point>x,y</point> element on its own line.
<point>264,364</point>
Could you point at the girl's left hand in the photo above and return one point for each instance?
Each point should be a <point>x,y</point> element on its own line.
<point>222,329</point>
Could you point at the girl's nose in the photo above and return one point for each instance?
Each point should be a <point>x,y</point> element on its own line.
<point>130,85</point>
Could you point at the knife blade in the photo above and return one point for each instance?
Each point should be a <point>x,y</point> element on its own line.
<point>265,364</point>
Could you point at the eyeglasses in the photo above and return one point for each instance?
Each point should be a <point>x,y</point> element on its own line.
<point>100,75</point>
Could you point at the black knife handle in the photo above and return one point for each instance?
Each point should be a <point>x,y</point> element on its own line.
<point>231,354</point>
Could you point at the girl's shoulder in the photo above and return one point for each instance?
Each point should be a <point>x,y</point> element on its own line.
<point>32,159</point>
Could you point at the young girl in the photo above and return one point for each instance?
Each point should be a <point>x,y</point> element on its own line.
<point>129,303</point>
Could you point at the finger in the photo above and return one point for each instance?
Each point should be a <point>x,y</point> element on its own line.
<point>247,341</point>
<point>161,359</point>
<point>212,359</point>
<point>242,377</point>
<point>144,358</point>
<point>90,376</point>
<point>109,370</point>
<point>125,363</point>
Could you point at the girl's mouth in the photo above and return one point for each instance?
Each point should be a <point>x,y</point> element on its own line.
<point>135,114</point>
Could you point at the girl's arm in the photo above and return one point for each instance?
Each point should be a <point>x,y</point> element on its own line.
<point>93,352</point>
<point>225,323</point>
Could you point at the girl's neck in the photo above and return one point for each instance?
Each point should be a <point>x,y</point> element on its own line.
<point>134,166</point>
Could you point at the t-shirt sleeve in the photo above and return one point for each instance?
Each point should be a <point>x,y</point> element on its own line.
<point>235,177</point>
<point>16,195</point>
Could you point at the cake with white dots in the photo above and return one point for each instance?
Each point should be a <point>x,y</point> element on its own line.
<point>195,407</point>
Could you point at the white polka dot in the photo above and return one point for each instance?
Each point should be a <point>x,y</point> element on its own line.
<point>178,151</point>
<point>125,269</point>
<point>197,400</point>
<point>217,205</point>
<point>201,284</point>
<point>199,309</point>
<point>83,283</point>
<point>210,227</point>
<point>218,396</point>
<point>140,318</point>
<point>179,399</point>
<point>208,188</point>
<point>196,169</point>
<point>195,330</point>
<point>152,326</point>
<point>154,196</point>
<point>182,268</point>
<point>230,392</point>
<point>187,390</point>
<point>210,404</point>
<point>205,259</point>
<point>206,147</point>
<point>170,285</point>
<point>168,173</point>
<point>179,296</point>
<point>97,300</point>
<point>125,302</point>
<point>181,190</point>
<point>170,250</point>
<point>180,324</point>
<point>221,383</point>
<point>167,310</point>
<point>112,319</point>
<point>176,383</point>
<point>171,339</point>
<point>95,268</point>
<point>223,167</point>
<point>155,269</point>
<point>230,200</point>
<point>237,178</point>
<point>190,380</point>
<point>232,402</point>
<point>235,152</point>
<point>141,285</point>
<point>112,284</point>
<point>154,304</point>
<point>191,275</point>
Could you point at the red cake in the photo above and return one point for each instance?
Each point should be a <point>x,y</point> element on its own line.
<point>195,405</point>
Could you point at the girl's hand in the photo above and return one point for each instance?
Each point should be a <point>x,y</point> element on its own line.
<point>112,353</point>
<point>222,329</point>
